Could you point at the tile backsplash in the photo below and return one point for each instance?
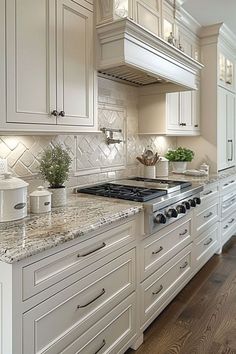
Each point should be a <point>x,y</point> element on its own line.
<point>93,160</point>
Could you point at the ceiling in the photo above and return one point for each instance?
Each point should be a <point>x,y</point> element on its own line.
<point>208,12</point>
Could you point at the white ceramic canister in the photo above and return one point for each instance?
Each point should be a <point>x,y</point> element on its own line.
<point>40,201</point>
<point>13,198</point>
<point>162,167</point>
<point>149,171</point>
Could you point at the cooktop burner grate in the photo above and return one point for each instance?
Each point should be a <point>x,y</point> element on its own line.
<point>137,194</point>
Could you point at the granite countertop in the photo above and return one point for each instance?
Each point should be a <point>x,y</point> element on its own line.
<point>82,215</point>
<point>214,177</point>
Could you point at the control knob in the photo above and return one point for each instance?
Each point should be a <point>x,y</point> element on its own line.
<point>172,213</point>
<point>186,204</point>
<point>160,219</point>
<point>192,203</point>
<point>181,209</point>
<point>197,200</point>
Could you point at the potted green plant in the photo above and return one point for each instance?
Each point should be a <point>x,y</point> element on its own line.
<point>179,158</point>
<point>54,168</point>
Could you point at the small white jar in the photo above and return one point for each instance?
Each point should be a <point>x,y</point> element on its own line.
<point>40,201</point>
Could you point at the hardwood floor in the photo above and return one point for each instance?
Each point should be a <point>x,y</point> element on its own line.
<point>202,318</point>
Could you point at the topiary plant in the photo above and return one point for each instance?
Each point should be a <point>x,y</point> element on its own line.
<point>55,165</point>
<point>180,154</point>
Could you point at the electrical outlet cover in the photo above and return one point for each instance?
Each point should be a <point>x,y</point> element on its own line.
<point>3,166</point>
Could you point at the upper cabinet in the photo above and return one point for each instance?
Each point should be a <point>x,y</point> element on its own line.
<point>173,113</point>
<point>147,13</point>
<point>218,95</point>
<point>50,77</point>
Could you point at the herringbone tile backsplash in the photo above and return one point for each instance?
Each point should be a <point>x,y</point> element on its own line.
<point>93,160</point>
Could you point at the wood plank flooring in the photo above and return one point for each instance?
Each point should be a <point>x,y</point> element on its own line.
<point>202,318</point>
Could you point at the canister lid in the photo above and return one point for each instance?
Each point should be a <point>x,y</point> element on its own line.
<point>7,181</point>
<point>40,192</point>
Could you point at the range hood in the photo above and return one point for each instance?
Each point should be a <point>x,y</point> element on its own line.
<point>132,54</point>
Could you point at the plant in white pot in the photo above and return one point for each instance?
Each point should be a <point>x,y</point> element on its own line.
<point>54,167</point>
<point>179,158</point>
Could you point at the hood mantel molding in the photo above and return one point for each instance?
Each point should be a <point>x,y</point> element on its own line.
<point>131,53</point>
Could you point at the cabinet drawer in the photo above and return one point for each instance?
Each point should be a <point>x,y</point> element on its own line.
<point>228,228</point>
<point>205,216</point>
<point>110,335</point>
<point>39,276</point>
<point>228,183</point>
<point>228,204</point>
<point>162,246</point>
<point>76,308</point>
<point>205,246</point>
<point>210,191</point>
<point>160,286</point>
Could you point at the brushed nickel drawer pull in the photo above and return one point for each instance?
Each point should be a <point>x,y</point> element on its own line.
<point>158,291</point>
<point>232,220</point>
<point>226,184</point>
<point>184,265</point>
<point>226,227</point>
<point>207,193</point>
<point>183,233</point>
<point>158,251</point>
<point>102,345</point>
<point>208,215</point>
<point>90,302</point>
<point>208,242</point>
<point>90,252</point>
<point>232,181</point>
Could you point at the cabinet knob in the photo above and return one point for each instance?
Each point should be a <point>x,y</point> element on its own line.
<point>54,113</point>
<point>62,114</point>
<point>196,125</point>
<point>182,124</point>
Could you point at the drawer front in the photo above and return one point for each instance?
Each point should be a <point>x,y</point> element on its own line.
<point>205,216</point>
<point>228,204</point>
<point>74,309</point>
<point>159,286</point>
<point>39,276</point>
<point>206,245</point>
<point>162,246</point>
<point>228,183</point>
<point>210,191</point>
<point>110,335</point>
<point>228,228</point>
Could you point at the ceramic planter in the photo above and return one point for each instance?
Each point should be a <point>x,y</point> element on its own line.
<point>179,166</point>
<point>58,196</point>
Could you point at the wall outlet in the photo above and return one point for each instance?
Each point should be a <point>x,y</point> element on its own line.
<point>3,166</point>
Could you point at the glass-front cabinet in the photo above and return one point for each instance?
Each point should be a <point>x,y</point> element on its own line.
<point>226,71</point>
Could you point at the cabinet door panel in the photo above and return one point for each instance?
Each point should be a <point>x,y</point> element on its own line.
<point>31,73</point>
<point>147,13</point>
<point>172,102</point>
<point>221,129</point>
<point>230,129</point>
<point>75,63</point>
<point>186,109</point>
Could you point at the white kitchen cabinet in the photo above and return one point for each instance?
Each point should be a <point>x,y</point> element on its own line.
<point>71,290</point>
<point>175,113</point>
<point>147,13</point>
<point>50,69</point>
<point>226,128</point>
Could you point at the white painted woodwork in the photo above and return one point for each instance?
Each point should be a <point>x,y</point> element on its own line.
<point>125,45</point>
<point>75,68</point>
<point>50,270</point>
<point>206,215</point>
<point>226,128</point>
<point>115,330</point>
<point>205,246</point>
<point>31,58</point>
<point>175,113</point>
<point>65,320</point>
<point>209,192</point>
<point>2,61</point>
<point>228,184</point>
<point>228,204</point>
<point>160,247</point>
<point>159,287</point>
<point>147,13</point>
<point>228,227</point>
<point>49,66</point>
